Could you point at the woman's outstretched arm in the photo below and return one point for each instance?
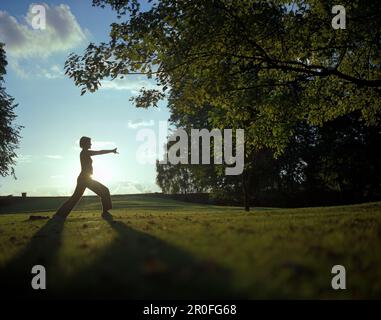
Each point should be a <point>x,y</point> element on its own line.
<point>95,153</point>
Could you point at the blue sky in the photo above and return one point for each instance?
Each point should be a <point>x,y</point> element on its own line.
<point>55,116</point>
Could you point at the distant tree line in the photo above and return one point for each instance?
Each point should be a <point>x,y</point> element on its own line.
<point>336,163</point>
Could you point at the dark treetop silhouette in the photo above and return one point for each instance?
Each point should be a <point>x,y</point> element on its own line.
<point>85,181</point>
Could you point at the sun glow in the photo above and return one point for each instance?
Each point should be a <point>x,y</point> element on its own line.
<point>103,172</point>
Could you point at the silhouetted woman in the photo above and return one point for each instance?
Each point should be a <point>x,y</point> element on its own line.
<point>85,181</point>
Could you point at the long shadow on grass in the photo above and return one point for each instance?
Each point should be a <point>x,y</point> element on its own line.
<point>16,276</point>
<point>137,265</point>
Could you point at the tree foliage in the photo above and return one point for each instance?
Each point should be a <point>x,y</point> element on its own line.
<point>265,64</point>
<point>9,132</point>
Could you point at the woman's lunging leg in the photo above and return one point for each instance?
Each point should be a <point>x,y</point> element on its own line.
<point>103,192</point>
<point>66,208</point>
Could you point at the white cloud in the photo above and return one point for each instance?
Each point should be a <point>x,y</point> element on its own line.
<point>28,50</point>
<point>24,158</point>
<point>58,176</point>
<point>54,72</point>
<point>54,156</point>
<point>62,33</point>
<point>131,187</point>
<point>130,83</point>
<point>103,144</point>
<point>134,124</point>
<point>98,145</point>
<point>21,72</point>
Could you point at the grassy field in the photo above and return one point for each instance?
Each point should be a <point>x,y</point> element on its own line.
<point>161,248</point>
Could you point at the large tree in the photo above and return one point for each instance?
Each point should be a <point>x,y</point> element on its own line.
<point>264,66</point>
<point>9,132</point>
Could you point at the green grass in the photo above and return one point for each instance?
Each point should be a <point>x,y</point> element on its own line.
<point>161,248</point>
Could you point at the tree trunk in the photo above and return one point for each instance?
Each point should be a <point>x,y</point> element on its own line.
<point>245,189</point>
